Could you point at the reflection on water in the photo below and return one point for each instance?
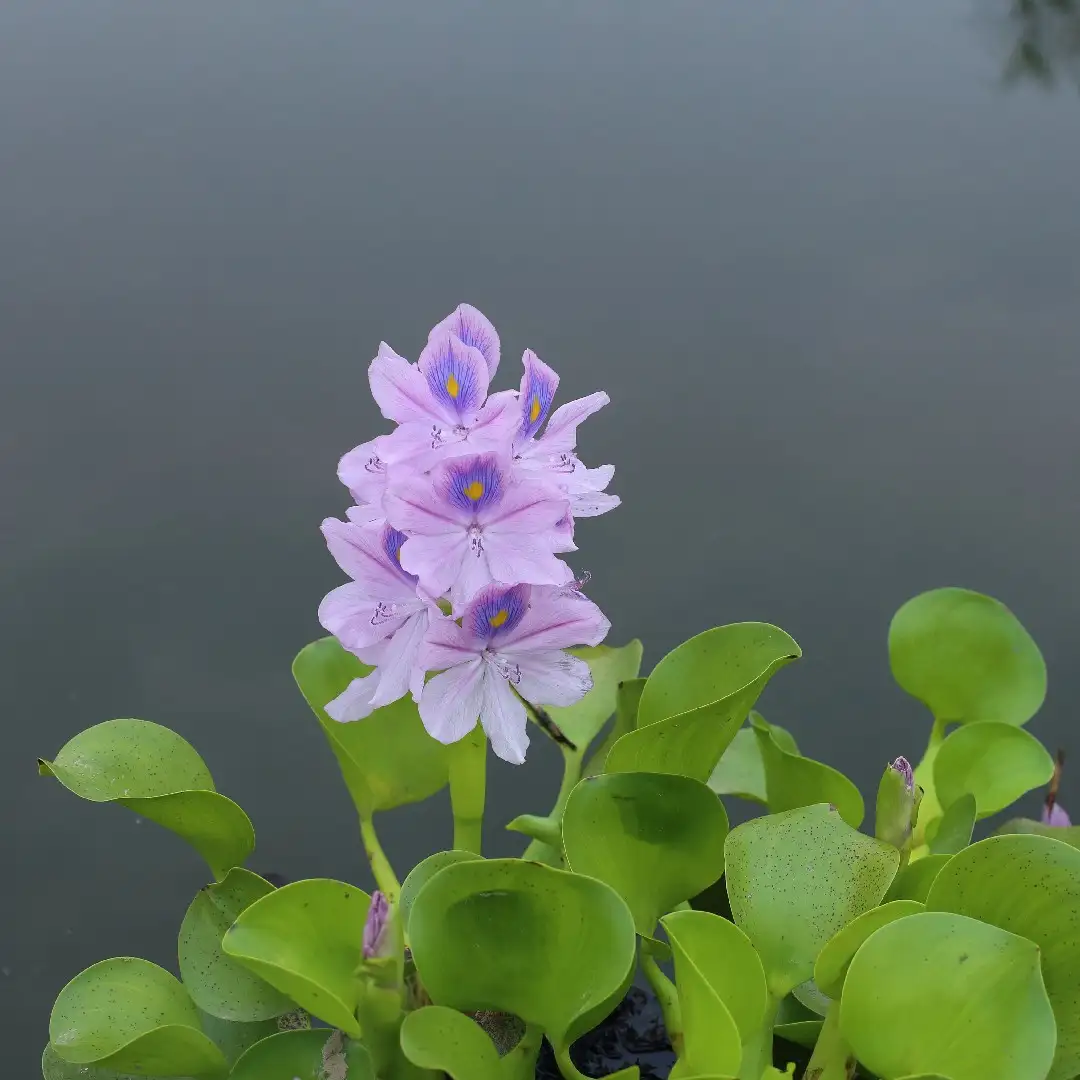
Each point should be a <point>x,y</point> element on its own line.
<point>1045,42</point>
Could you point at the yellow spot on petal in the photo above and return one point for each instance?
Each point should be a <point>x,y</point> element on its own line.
<point>474,490</point>
<point>453,388</point>
<point>499,618</point>
<point>534,410</point>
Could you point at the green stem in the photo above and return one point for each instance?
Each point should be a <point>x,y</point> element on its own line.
<point>385,877</point>
<point>572,760</point>
<point>930,810</point>
<point>468,785</point>
<point>758,1052</point>
<point>666,995</point>
<point>832,1058</point>
<point>520,1063</point>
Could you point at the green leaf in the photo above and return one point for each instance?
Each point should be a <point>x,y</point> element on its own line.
<point>304,940</point>
<point>656,839</point>
<point>953,832</point>
<point>218,984</point>
<point>967,658</point>
<point>1068,834</point>
<point>159,775</point>
<point>697,698</point>
<point>937,992</point>
<point>554,948</point>
<point>54,1067</point>
<point>915,880</point>
<point>1028,885</point>
<point>627,699</point>
<point>448,1041</point>
<point>233,1038</point>
<point>997,763</point>
<point>833,961</point>
<point>792,780</point>
<point>387,759</point>
<point>795,879</point>
<point>800,1032</point>
<point>722,991</point>
<point>741,772</point>
<point>304,1055</point>
<point>581,722</point>
<point>129,1015</point>
<point>422,873</point>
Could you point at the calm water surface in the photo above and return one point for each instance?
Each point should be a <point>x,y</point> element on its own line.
<point>824,261</point>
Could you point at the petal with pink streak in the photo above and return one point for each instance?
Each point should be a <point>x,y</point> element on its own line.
<point>526,507</point>
<point>558,618</point>
<point>354,703</point>
<point>400,389</point>
<point>446,644</point>
<point>361,552</point>
<point>551,676</point>
<point>538,386</point>
<point>456,376</point>
<point>418,505</point>
<point>504,719</point>
<point>473,328</point>
<point>519,557</point>
<point>451,702</point>
<point>356,619</point>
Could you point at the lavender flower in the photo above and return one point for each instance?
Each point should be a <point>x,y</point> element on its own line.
<point>376,928</point>
<point>1055,816</point>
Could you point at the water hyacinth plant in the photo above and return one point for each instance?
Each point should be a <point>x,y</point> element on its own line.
<point>904,950</point>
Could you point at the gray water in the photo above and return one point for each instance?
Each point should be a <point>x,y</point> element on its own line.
<point>825,261</point>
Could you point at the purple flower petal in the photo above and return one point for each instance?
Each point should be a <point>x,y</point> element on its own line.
<point>474,329</point>
<point>551,677</point>
<point>376,928</point>
<point>474,485</point>
<point>451,703</point>
<point>902,766</point>
<point>557,618</point>
<point>399,388</point>
<point>560,436</point>
<point>538,386</point>
<point>504,719</point>
<point>496,610</point>
<point>1056,817</point>
<point>457,377</point>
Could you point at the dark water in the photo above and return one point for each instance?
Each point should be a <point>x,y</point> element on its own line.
<point>824,261</point>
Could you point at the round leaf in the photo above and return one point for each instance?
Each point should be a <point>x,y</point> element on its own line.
<point>445,1040</point>
<point>554,948</point>
<point>792,780</point>
<point>129,1015</point>
<point>422,873</point>
<point>795,879</point>
<point>627,697</point>
<point>304,940</point>
<point>740,771</point>
<point>715,962</point>
<point>997,763</point>
<point>697,698</point>
<point>656,839</point>
<point>937,992</point>
<point>387,759</point>
<point>218,984</point>
<point>953,829</point>
<point>54,1067</point>
<point>800,1032</point>
<point>915,880</point>
<point>318,1054</point>
<point>1068,834</point>
<point>1028,885</point>
<point>581,722</point>
<point>966,657</point>
<point>832,962</point>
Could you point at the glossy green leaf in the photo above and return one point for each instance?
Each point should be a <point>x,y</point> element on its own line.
<point>833,960</point>
<point>54,1067</point>
<point>627,699</point>
<point>548,830</point>
<point>997,763</point>
<point>953,829</point>
<point>448,1041</point>
<point>1030,886</point>
<point>218,984</point>
<point>740,771</point>
<point>795,879</point>
<point>915,880</point>
<point>129,1015</point>
<point>967,658</point>
<point>581,723</point>
<point>1068,834</point>
<point>422,873</point>
<point>656,839</point>
<point>800,1032</point>
<point>387,759</point>
<point>318,1054</point>
<point>722,991</point>
<point>809,995</point>
<point>554,948</point>
<point>304,940</point>
<point>792,780</point>
<point>160,776</point>
<point>938,992</point>
<point>697,698</point>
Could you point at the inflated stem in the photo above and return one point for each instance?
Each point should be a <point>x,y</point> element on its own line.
<point>929,809</point>
<point>385,877</point>
<point>832,1058</point>
<point>468,785</point>
<point>666,995</point>
<point>551,851</point>
<point>758,1052</point>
